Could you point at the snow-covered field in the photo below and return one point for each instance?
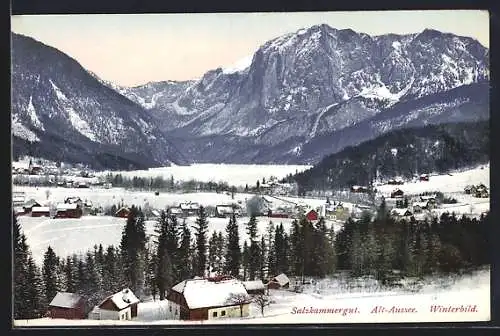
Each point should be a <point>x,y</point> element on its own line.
<point>70,235</point>
<point>471,292</point>
<point>454,182</point>
<point>233,174</point>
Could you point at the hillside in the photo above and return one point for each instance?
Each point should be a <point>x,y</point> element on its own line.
<point>434,148</point>
<point>62,112</point>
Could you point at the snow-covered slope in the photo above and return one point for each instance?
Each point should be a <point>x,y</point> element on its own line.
<point>63,112</point>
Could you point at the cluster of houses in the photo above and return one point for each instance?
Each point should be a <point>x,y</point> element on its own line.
<point>72,207</point>
<point>192,299</point>
<point>479,191</point>
<point>190,209</point>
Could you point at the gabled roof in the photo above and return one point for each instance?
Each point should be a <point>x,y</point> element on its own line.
<point>253,285</point>
<point>175,210</point>
<point>201,293</point>
<point>420,204</point>
<point>65,300</point>
<point>225,208</point>
<point>401,212</point>
<point>281,279</point>
<point>122,299</point>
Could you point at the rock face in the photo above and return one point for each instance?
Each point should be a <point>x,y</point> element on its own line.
<point>320,81</point>
<point>60,111</point>
<point>297,98</point>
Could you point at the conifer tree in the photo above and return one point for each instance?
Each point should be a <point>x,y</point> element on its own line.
<point>201,229</point>
<point>164,256</point>
<point>132,246</point>
<point>49,273</point>
<point>254,249</point>
<point>233,252</point>
<point>185,259</point>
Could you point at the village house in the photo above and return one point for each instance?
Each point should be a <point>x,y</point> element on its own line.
<point>279,212</point>
<point>175,211</point>
<point>189,209</point>
<point>279,281</point>
<point>254,287</point>
<point>418,207</point>
<point>359,189</point>
<point>119,306</point>
<point>67,306</point>
<point>401,213</point>
<point>470,189</point>
<point>397,193</point>
<point>123,212</point>
<point>312,215</point>
<point>68,210</point>
<point>223,211</point>
<point>206,299</point>
<point>29,205</point>
<point>481,191</point>
<point>424,177</point>
<point>431,201</point>
<point>40,212</point>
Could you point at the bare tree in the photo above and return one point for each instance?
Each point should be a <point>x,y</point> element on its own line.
<point>239,299</point>
<point>262,300</point>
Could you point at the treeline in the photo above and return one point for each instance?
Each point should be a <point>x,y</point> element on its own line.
<point>170,184</point>
<point>381,246</point>
<point>434,148</point>
<point>150,266</point>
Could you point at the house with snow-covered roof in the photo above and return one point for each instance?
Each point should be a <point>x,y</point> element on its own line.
<point>67,306</point>
<point>254,287</point>
<point>206,299</point>
<point>279,281</point>
<point>119,306</point>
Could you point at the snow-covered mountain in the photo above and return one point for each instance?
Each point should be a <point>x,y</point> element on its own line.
<point>60,111</point>
<point>299,97</point>
<point>316,81</point>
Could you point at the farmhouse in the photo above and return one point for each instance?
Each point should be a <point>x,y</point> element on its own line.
<point>312,215</point>
<point>123,212</point>
<point>418,207</point>
<point>29,205</point>
<point>206,299</point>
<point>177,212</point>
<point>68,210</point>
<point>254,287</point>
<point>119,306</point>
<point>189,209</point>
<point>67,306</point>
<point>223,211</point>
<point>40,212</point>
<point>397,193</point>
<point>424,177</point>
<point>400,213</point>
<point>359,189</point>
<point>279,281</point>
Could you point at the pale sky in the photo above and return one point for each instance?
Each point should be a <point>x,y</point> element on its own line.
<point>134,49</point>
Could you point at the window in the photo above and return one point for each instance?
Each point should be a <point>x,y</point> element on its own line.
<point>223,313</point>
<point>170,308</point>
<point>214,314</point>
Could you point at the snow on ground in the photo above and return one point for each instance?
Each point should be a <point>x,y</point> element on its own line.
<point>454,182</point>
<point>233,174</point>
<point>467,291</point>
<point>107,197</point>
<point>77,235</point>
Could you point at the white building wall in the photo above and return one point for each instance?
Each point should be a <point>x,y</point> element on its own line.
<point>125,314</point>
<point>230,311</point>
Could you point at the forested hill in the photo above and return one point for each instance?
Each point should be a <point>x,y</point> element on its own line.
<point>405,152</point>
